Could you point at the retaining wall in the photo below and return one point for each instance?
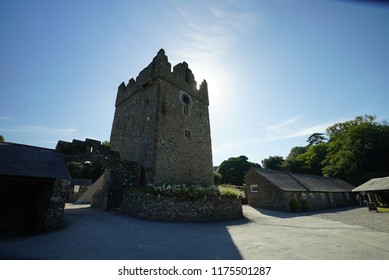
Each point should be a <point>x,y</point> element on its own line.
<point>155,207</point>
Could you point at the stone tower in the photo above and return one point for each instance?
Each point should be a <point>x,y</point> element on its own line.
<point>162,122</point>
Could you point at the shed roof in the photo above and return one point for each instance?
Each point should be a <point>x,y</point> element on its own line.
<point>377,184</point>
<point>323,184</point>
<point>283,180</point>
<point>304,182</point>
<point>30,161</point>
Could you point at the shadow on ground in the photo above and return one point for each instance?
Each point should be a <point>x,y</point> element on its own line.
<point>287,215</point>
<point>96,234</point>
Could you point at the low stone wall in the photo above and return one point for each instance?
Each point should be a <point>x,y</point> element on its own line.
<point>160,208</point>
<point>55,210</point>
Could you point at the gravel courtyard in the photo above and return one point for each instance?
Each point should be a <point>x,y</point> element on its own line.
<point>359,216</point>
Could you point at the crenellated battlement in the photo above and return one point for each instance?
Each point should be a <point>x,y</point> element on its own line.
<point>160,67</point>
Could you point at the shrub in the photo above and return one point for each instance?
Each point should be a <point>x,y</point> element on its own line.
<point>193,192</point>
<point>227,190</point>
<point>217,178</point>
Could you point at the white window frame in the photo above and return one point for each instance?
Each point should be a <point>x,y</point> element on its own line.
<point>254,188</point>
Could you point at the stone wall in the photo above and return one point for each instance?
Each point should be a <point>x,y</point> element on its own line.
<point>262,193</point>
<point>341,199</point>
<point>187,136</point>
<point>119,174</point>
<point>316,201</point>
<point>54,214</point>
<point>153,207</point>
<point>133,132</point>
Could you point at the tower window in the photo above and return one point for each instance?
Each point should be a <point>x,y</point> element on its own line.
<point>186,99</point>
<point>188,133</point>
<point>145,102</point>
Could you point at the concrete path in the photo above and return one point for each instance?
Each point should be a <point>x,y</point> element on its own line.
<point>95,234</point>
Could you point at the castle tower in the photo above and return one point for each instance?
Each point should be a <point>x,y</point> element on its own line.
<point>162,122</point>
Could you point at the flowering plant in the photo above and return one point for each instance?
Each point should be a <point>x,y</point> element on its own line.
<point>193,192</point>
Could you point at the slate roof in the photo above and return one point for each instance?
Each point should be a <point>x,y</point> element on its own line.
<point>323,184</point>
<point>30,161</point>
<point>283,180</point>
<point>304,182</point>
<point>377,184</point>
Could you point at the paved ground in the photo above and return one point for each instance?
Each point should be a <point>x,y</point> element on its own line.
<point>94,234</point>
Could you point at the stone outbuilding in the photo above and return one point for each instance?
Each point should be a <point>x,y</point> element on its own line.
<point>376,190</point>
<point>286,191</point>
<point>33,188</point>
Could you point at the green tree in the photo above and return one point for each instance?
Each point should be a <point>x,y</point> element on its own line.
<point>85,169</point>
<point>311,162</point>
<point>316,138</point>
<point>273,162</point>
<point>308,159</point>
<point>234,169</point>
<point>217,178</point>
<point>291,163</point>
<point>2,138</point>
<point>358,150</point>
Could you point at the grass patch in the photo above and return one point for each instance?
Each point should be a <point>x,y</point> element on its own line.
<point>227,190</point>
<point>192,192</point>
<point>383,210</point>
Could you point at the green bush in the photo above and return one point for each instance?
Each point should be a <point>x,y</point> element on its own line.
<point>217,178</point>
<point>227,190</point>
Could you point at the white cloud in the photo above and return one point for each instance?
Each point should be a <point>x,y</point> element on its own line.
<point>34,129</point>
<point>284,124</point>
<point>292,128</point>
<point>223,149</point>
<point>204,37</point>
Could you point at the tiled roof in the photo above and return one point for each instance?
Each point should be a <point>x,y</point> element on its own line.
<point>29,161</point>
<point>304,182</point>
<point>377,184</point>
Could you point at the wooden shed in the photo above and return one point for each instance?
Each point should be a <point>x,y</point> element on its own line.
<point>375,190</point>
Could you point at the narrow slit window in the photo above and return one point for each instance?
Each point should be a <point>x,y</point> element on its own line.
<point>145,102</point>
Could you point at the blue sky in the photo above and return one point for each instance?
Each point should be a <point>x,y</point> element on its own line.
<point>277,70</point>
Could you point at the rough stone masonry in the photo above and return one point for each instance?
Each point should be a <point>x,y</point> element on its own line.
<point>162,122</point>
